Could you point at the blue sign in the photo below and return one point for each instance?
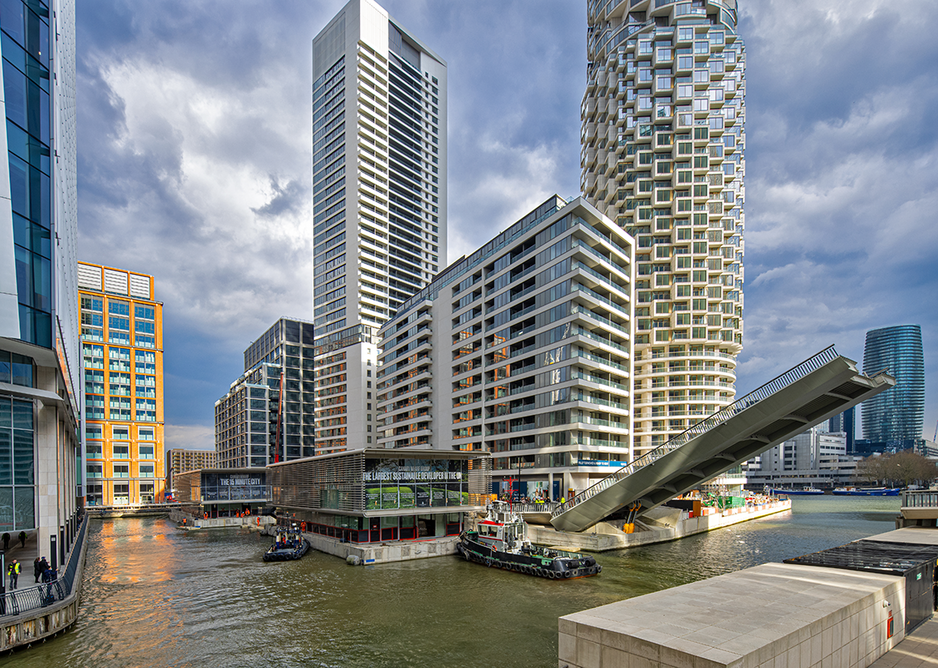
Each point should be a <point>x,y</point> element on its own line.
<point>597,462</point>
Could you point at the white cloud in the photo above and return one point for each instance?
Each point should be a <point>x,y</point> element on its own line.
<point>190,437</point>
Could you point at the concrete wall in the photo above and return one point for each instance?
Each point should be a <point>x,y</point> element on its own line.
<point>763,617</point>
<point>382,553</point>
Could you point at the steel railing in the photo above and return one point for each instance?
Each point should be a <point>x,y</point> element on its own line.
<point>920,499</point>
<point>784,380</point>
<point>45,594</point>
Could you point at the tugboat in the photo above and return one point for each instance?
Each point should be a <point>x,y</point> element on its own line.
<point>289,545</point>
<point>500,542</point>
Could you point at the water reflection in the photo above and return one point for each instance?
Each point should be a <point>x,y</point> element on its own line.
<point>156,596</point>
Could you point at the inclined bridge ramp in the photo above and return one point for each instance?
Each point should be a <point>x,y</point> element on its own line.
<point>815,390</point>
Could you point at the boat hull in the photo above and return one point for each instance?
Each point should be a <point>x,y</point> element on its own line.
<point>882,491</point>
<point>538,564</point>
<point>799,492</point>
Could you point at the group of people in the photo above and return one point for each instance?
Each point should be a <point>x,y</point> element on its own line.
<point>41,570</point>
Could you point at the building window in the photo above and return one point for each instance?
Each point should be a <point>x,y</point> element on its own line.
<point>122,493</point>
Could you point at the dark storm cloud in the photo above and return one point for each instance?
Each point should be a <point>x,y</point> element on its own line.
<point>842,179</point>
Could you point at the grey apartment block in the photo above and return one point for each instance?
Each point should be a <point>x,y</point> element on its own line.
<point>524,349</point>
<point>268,414</point>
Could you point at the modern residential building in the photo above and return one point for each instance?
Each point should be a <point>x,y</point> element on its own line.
<point>894,419</point>
<point>122,361</point>
<point>179,460</point>
<point>523,349</point>
<point>662,155</point>
<point>379,198</point>
<point>40,365</point>
<point>267,416</point>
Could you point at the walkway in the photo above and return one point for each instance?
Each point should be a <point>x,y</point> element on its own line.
<point>919,649</point>
<point>26,556</point>
<point>815,390</point>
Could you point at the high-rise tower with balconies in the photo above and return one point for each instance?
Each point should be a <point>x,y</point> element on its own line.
<point>379,198</point>
<point>663,155</point>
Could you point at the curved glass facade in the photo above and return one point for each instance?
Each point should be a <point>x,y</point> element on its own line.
<point>896,414</point>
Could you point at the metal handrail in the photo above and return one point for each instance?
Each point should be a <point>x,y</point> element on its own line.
<point>925,498</point>
<point>45,594</point>
<point>784,380</point>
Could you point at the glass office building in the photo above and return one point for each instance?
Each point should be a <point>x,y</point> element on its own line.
<point>662,154</point>
<point>40,363</point>
<point>372,496</point>
<point>896,416</point>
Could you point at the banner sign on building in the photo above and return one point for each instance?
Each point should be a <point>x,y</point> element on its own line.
<point>415,483</point>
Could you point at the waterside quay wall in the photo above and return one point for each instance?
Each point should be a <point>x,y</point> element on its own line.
<point>38,622</point>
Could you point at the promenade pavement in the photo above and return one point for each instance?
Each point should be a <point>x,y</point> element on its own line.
<point>26,556</point>
<point>919,649</point>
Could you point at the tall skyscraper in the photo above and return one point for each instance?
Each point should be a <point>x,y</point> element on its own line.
<point>40,365</point>
<point>663,156</point>
<point>122,358</point>
<point>379,197</point>
<point>896,416</point>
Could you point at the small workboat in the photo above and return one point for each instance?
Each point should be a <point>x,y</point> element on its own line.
<point>289,545</point>
<point>866,491</point>
<point>500,542</point>
<point>806,491</point>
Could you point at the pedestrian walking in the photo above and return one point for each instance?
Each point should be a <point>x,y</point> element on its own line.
<point>14,572</point>
<point>6,542</point>
<point>22,539</point>
<point>38,568</point>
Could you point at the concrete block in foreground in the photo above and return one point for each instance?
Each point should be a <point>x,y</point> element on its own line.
<point>766,616</point>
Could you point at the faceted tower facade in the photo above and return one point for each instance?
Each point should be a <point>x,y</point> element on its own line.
<point>663,155</point>
<point>379,199</point>
<point>896,416</point>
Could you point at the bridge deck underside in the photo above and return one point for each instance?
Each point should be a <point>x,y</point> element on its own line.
<point>817,396</point>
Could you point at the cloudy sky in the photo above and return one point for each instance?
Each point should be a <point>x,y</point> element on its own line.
<point>194,158</point>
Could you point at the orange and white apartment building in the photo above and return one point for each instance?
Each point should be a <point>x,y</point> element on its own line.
<point>122,363</point>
